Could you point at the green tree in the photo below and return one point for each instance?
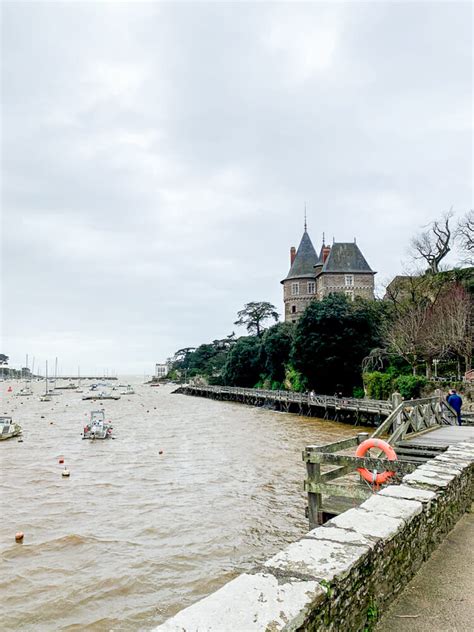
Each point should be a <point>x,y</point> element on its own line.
<point>244,363</point>
<point>254,315</point>
<point>3,359</point>
<point>276,349</point>
<point>331,339</point>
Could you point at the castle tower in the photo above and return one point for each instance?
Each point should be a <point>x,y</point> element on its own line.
<point>344,269</point>
<point>340,268</point>
<point>299,286</point>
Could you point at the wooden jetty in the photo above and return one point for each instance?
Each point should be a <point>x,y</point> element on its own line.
<point>310,404</point>
<point>418,430</point>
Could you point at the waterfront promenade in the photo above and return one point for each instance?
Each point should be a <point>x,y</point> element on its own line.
<point>310,404</point>
<point>440,596</point>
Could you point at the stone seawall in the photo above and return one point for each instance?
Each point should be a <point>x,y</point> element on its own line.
<point>342,575</point>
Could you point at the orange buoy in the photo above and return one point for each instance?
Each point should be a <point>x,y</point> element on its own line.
<point>61,461</point>
<point>376,478</point>
<point>19,535</point>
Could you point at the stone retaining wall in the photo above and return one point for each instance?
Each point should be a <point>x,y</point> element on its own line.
<point>340,576</point>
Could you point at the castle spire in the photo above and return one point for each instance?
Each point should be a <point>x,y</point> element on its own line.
<point>324,240</point>
<point>305,223</point>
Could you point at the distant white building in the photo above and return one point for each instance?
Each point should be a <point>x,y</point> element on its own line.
<point>161,370</point>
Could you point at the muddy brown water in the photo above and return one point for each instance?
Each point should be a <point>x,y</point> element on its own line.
<point>133,535</point>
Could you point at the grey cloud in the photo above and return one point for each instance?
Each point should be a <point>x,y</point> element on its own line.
<point>156,158</point>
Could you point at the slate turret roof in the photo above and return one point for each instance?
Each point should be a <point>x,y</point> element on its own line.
<point>305,260</point>
<point>346,257</point>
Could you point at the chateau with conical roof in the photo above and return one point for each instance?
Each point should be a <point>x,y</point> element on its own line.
<point>338,268</point>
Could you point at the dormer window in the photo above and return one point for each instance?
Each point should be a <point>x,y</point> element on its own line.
<point>295,289</point>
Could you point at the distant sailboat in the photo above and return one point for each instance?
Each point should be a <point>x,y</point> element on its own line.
<point>26,391</point>
<point>55,391</point>
<point>79,388</point>
<point>47,396</point>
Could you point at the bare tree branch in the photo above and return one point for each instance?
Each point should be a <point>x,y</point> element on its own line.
<point>465,236</point>
<point>433,244</point>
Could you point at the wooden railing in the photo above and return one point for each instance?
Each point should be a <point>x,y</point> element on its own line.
<point>309,399</point>
<point>416,415</point>
<point>326,498</point>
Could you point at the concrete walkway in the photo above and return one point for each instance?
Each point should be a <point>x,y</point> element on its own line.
<point>440,598</point>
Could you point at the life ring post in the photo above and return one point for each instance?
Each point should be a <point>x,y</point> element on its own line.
<point>374,478</point>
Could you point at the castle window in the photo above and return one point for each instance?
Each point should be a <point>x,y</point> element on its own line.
<point>293,309</point>
<point>349,280</point>
<point>350,294</point>
<point>295,289</point>
<point>311,287</point>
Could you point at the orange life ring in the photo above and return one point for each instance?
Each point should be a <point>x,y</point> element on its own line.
<point>372,477</point>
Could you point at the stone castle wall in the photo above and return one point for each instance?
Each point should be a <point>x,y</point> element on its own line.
<point>341,575</point>
<point>300,301</point>
<point>325,285</point>
<point>363,285</point>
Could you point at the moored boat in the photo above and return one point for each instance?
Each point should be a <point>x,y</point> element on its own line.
<point>26,391</point>
<point>128,390</point>
<point>97,428</point>
<point>46,397</point>
<point>9,429</point>
<point>101,395</point>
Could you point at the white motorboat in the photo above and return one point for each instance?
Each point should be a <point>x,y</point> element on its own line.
<point>128,390</point>
<point>26,391</point>
<point>98,428</point>
<point>9,429</point>
<point>101,395</point>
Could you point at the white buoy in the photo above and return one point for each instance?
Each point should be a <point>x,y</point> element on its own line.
<point>65,472</point>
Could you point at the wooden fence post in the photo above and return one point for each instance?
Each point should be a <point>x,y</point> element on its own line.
<point>315,514</point>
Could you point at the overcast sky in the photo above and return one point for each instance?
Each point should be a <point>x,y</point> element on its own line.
<point>156,159</point>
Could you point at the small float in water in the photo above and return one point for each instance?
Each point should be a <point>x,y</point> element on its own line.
<point>9,429</point>
<point>97,428</point>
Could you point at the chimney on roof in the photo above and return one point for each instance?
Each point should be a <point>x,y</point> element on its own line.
<point>326,251</point>
<point>292,255</point>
